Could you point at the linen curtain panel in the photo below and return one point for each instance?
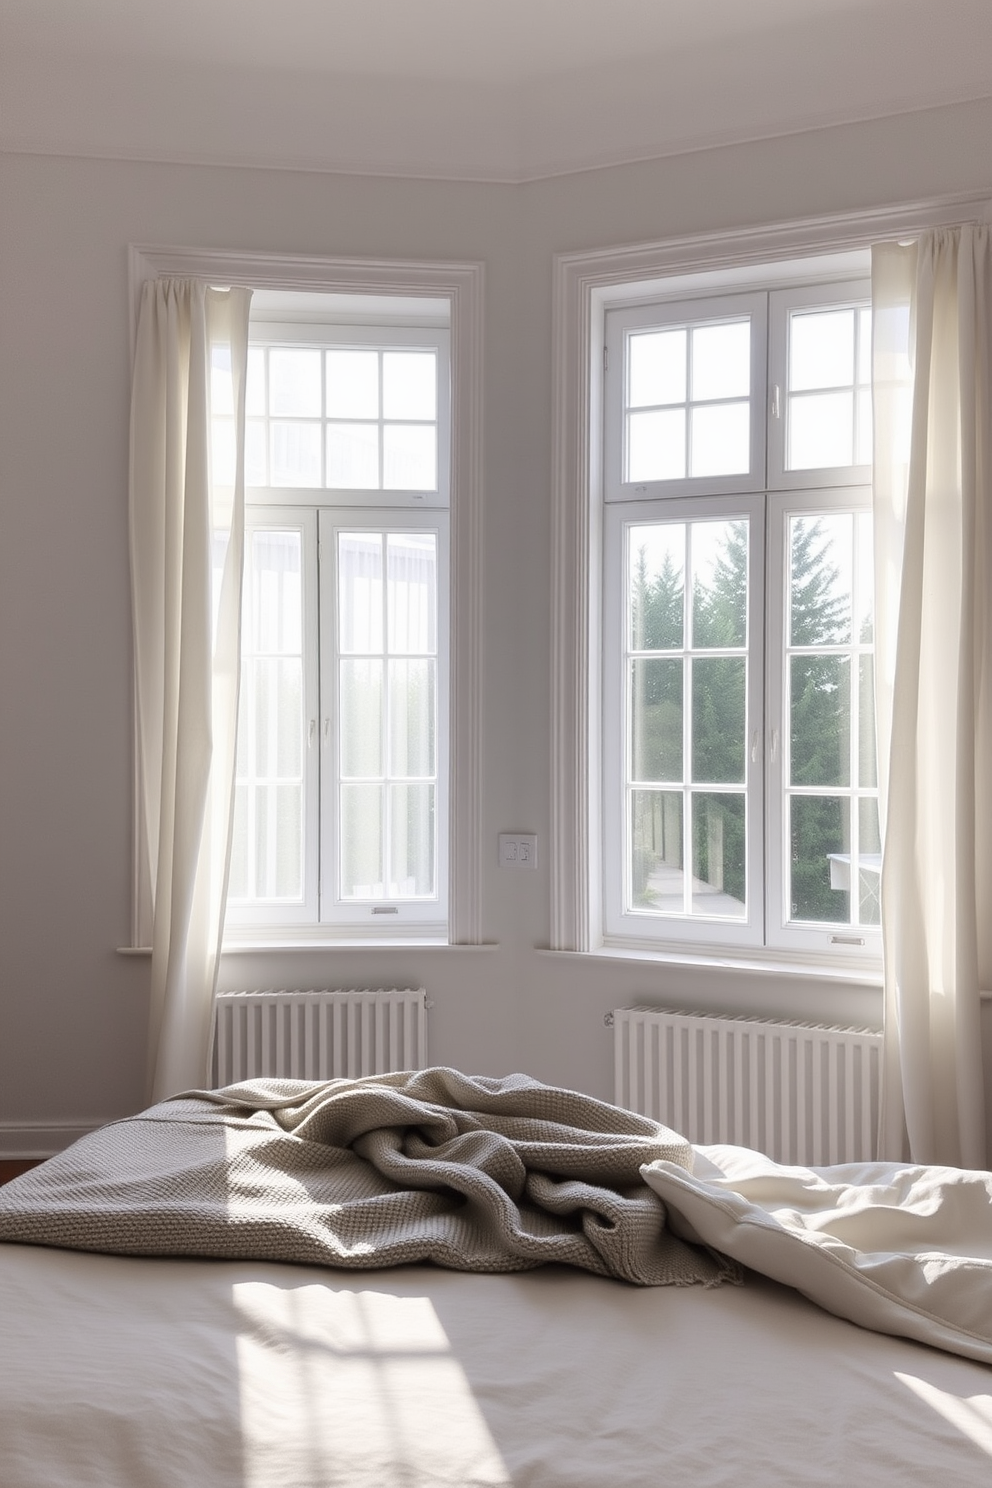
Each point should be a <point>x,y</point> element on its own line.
<point>932,334</point>
<point>187,546</point>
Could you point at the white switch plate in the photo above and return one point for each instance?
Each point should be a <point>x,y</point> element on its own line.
<point>518,850</point>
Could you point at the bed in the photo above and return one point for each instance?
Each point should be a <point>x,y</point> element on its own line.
<point>145,1371</point>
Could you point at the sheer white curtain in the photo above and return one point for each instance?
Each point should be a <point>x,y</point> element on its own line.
<point>187,545</point>
<point>932,317</point>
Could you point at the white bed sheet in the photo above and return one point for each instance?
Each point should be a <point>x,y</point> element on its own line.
<point>132,1373</point>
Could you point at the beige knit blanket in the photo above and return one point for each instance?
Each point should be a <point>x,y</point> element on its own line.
<point>472,1173</point>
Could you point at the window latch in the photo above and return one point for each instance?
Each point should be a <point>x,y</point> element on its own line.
<point>776,401</point>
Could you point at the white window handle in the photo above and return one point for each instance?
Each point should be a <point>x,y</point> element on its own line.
<point>755,740</point>
<point>774,745</point>
<point>311,733</point>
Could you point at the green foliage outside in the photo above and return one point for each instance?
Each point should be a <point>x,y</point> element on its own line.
<point>819,722</point>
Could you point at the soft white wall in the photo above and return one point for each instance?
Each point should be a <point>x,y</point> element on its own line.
<point>72,1012</point>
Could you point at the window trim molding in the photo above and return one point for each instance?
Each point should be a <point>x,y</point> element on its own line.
<point>463,285</point>
<point>583,284</point>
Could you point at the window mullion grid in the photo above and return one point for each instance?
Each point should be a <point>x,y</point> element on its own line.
<point>689,341</point>
<point>381,423</point>
<point>688,654</point>
<point>323,418</point>
<point>387,732</point>
<point>251,771</point>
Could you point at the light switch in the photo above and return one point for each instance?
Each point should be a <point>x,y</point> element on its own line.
<point>518,850</point>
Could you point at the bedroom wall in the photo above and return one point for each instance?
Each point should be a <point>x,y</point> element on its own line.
<point>72,1010</point>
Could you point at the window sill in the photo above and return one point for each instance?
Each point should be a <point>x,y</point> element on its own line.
<point>267,945</point>
<point>768,963</point>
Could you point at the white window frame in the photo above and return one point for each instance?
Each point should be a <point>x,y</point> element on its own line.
<point>780,304</point>
<point>620,923</point>
<point>804,937</point>
<point>462,287</point>
<point>687,312</point>
<point>274,914</point>
<point>382,338</point>
<point>585,283</point>
<point>428,914</point>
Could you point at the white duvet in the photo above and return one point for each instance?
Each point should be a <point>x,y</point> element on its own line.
<point>895,1247</point>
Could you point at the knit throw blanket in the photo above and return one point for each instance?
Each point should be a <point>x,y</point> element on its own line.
<point>472,1173</point>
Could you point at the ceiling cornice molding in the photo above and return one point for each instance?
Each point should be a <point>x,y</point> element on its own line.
<point>516,174</point>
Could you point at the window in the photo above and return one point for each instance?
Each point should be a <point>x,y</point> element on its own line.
<point>739,788</point>
<point>341,801</point>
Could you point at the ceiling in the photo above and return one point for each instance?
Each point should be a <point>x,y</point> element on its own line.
<point>500,90</point>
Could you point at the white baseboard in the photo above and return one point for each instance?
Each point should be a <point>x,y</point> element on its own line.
<point>39,1139</point>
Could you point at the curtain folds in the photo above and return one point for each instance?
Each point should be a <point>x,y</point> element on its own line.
<point>187,546</point>
<point>932,333</point>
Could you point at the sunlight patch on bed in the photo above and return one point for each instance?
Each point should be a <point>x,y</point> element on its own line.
<point>355,1386</point>
<point>971,1415</point>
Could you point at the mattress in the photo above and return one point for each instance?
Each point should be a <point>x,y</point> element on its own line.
<point>122,1372</point>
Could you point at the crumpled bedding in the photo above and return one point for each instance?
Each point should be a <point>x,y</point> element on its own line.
<point>896,1247</point>
<point>471,1173</point>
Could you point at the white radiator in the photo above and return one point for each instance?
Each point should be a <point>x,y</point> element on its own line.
<point>802,1094</point>
<point>318,1035</point>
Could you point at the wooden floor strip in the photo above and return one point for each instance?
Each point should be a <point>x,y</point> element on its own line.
<point>13,1167</point>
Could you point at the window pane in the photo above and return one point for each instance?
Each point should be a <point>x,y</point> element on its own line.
<point>352,385</point>
<point>411,559</point>
<point>294,382</point>
<point>409,385</point>
<point>656,445</point>
<point>820,720</point>
<point>720,440</point>
<point>718,833</point>
<point>361,842</point>
<point>237,884</point>
<point>863,439</point>
<point>288,834</point>
<point>277,591</point>
<point>719,583</point>
<point>409,457</point>
<point>867,761</point>
<point>821,579</point>
<point>277,702</point>
<point>411,841</point>
<point>718,719</point>
<point>656,368</point>
<point>256,463</point>
<point>277,841</point>
<point>360,714</point>
<point>721,361</point>
<point>864,346</point>
<point>353,457</point>
<point>656,720</point>
<point>821,349</point>
<point>412,716</point>
<point>657,878</point>
<point>360,592</point>
<point>870,863</point>
<point>818,833</point>
<point>294,450</point>
<point>821,430</point>
<point>656,569</point>
<point>255,383</point>
<point>864,616</point>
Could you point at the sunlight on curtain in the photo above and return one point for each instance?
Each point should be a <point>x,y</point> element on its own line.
<point>931,303</point>
<point>187,545</point>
